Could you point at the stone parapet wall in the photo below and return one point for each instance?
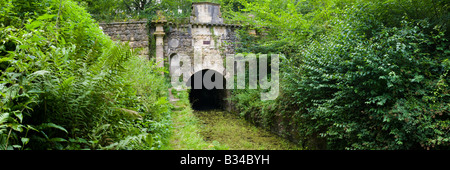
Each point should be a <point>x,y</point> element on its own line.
<point>134,32</point>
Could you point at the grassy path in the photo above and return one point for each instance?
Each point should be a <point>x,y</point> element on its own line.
<point>186,133</point>
<point>186,130</point>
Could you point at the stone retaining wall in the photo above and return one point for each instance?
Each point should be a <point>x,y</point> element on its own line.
<point>134,32</point>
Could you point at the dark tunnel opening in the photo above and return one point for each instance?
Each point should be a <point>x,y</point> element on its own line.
<point>204,98</point>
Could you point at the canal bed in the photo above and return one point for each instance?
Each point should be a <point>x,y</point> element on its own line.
<point>237,134</point>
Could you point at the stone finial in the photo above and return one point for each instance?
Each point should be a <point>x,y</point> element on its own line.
<point>159,23</point>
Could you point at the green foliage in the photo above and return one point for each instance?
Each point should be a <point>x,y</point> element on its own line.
<point>360,75</point>
<point>363,74</point>
<point>186,127</point>
<point>122,10</point>
<point>66,85</point>
<point>116,10</point>
<point>366,93</point>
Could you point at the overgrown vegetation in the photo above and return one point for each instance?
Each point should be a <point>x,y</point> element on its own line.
<point>357,74</point>
<point>186,127</point>
<point>123,10</point>
<point>228,129</point>
<point>66,85</point>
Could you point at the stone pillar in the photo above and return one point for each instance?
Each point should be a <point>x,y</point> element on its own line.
<point>250,28</point>
<point>159,35</point>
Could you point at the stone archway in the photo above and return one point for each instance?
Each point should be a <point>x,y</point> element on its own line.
<point>207,98</point>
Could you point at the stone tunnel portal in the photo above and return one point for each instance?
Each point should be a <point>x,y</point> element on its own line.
<point>204,98</point>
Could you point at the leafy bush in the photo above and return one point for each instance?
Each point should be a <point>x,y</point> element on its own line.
<point>66,85</point>
<point>386,93</point>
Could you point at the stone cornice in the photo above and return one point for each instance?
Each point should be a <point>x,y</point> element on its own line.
<point>128,22</point>
<point>210,3</point>
<point>206,24</point>
<point>159,21</point>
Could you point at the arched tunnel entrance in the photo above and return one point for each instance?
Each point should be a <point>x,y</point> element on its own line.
<point>205,97</point>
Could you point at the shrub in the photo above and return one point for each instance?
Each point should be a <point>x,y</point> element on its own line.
<point>66,85</point>
<point>368,74</point>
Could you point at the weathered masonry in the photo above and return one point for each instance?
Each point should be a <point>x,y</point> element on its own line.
<point>203,34</point>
